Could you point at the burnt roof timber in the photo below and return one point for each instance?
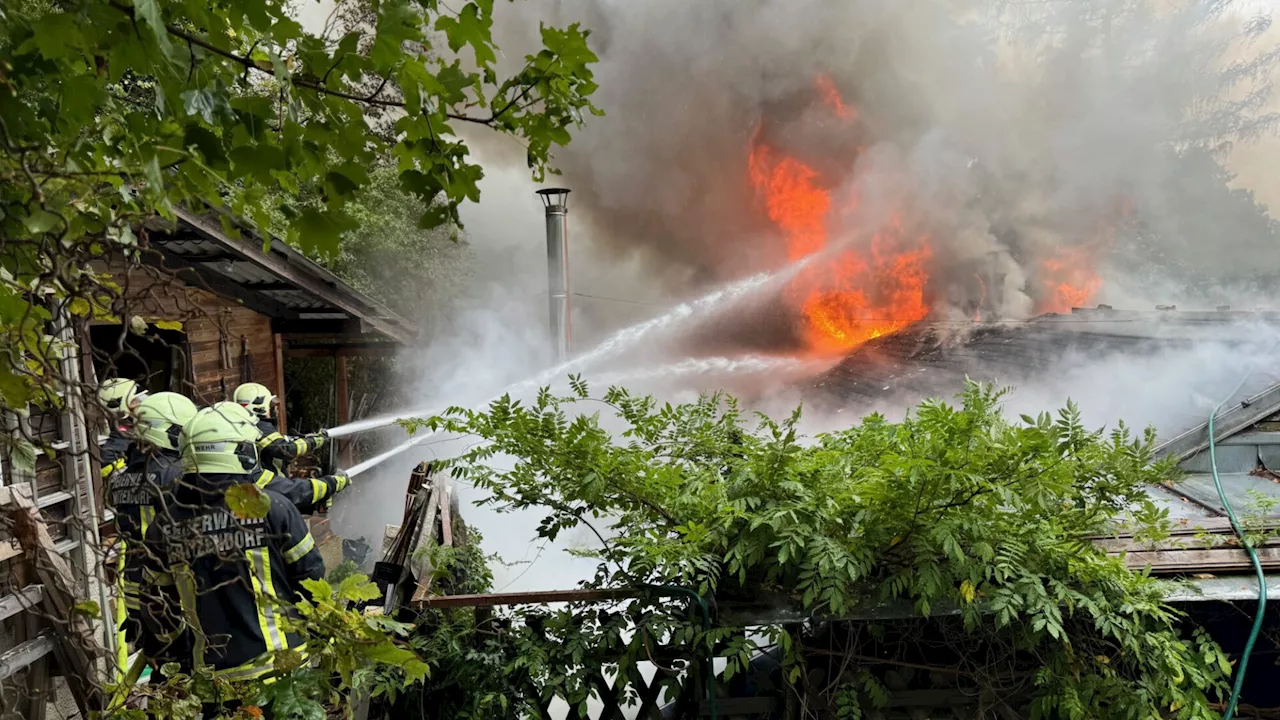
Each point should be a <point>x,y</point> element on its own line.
<point>314,280</point>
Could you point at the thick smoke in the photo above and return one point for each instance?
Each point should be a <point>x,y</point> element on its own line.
<point>1013,135</point>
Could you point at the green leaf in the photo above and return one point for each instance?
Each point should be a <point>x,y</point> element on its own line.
<point>388,653</point>
<point>320,590</point>
<point>40,221</point>
<point>88,609</point>
<point>14,389</point>
<point>210,104</point>
<point>248,501</point>
<point>319,230</point>
<point>258,160</point>
<point>148,11</point>
<point>169,324</point>
<point>357,588</point>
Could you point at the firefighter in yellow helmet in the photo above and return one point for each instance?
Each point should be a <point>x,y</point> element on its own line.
<point>306,493</point>
<point>277,450</point>
<point>135,493</point>
<point>119,397</point>
<point>231,571</point>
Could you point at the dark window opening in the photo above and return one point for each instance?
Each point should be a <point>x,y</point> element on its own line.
<point>157,360</point>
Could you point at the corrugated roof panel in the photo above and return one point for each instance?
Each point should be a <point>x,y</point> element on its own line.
<point>1179,508</point>
<point>1239,489</point>
<point>1230,459</point>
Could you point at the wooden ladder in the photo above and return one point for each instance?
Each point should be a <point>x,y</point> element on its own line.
<point>52,622</point>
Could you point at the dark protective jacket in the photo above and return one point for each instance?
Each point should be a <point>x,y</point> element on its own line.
<point>307,494</point>
<point>114,451</point>
<point>134,494</point>
<point>277,451</point>
<point>229,582</point>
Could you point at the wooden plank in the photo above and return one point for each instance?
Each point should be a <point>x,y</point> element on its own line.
<point>1206,561</point>
<point>426,532</point>
<point>282,416</point>
<point>1193,526</point>
<point>9,549</point>
<point>23,655</point>
<point>446,513</point>
<point>344,407</point>
<point>28,597</point>
<point>527,598</point>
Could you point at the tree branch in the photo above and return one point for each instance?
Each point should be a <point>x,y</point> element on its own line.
<point>315,86</point>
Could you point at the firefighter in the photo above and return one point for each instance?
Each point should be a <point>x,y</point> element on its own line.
<point>308,494</point>
<point>120,397</point>
<point>277,450</point>
<point>134,493</point>
<point>231,576</point>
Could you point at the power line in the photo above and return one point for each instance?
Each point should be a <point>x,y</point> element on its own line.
<point>618,300</point>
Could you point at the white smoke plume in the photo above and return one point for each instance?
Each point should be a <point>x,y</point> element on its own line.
<point>1005,131</point>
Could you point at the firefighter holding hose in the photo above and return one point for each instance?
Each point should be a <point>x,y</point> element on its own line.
<point>277,450</point>
<point>308,494</point>
<point>231,573</point>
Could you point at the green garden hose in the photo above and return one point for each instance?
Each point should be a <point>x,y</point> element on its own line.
<point>1253,558</point>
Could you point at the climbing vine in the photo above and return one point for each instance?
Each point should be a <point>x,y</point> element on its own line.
<point>971,529</point>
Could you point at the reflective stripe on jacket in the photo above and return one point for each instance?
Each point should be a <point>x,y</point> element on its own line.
<point>234,580</point>
<point>277,450</point>
<point>307,494</point>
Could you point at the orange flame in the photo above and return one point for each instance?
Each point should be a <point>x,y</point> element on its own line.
<point>1068,280</point>
<point>831,98</point>
<point>845,299</point>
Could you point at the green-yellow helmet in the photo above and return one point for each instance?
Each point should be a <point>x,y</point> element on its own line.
<point>256,397</point>
<point>219,440</point>
<point>120,395</point>
<point>161,418</point>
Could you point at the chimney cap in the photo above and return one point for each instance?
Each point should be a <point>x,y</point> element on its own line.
<point>554,197</point>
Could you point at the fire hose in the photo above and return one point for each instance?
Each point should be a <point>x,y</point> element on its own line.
<point>1256,630</point>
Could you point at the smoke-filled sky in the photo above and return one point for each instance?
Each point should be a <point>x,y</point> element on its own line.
<point>1033,145</point>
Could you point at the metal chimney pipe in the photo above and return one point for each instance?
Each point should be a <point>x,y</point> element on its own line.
<point>556,203</point>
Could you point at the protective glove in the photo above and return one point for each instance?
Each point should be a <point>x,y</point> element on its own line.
<point>318,439</point>
<point>343,481</point>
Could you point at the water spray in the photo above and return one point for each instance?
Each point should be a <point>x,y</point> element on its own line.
<point>619,341</point>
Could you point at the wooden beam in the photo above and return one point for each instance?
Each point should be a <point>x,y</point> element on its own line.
<point>344,407</point>
<point>527,598</point>
<point>282,268</point>
<point>282,417</point>
<point>320,328</point>
<point>384,350</point>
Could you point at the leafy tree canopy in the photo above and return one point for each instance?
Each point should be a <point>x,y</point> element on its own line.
<point>980,524</point>
<point>112,110</point>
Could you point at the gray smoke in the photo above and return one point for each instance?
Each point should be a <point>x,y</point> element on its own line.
<point>1003,131</point>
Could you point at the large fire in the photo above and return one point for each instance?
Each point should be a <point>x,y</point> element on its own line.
<point>846,297</point>
<point>852,292</point>
<point>1068,280</point>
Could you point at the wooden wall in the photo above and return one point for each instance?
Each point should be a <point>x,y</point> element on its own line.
<point>214,326</point>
